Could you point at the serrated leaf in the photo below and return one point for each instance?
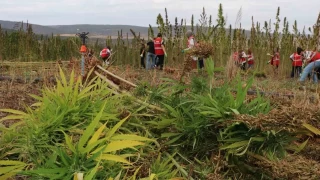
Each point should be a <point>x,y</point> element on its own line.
<point>12,117</point>
<point>12,111</point>
<point>97,134</point>
<point>90,129</point>
<point>235,145</point>
<point>130,137</point>
<point>116,127</point>
<point>311,128</point>
<point>69,143</point>
<point>9,162</point>
<point>115,158</point>
<point>118,145</point>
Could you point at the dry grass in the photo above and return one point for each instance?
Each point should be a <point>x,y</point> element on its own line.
<point>294,167</point>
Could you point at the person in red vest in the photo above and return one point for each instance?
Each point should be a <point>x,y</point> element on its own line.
<point>250,59</point>
<point>105,54</point>
<point>236,58</point>
<point>296,59</point>
<point>242,59</point>
<point>160,50</point>
<point>313,61</point>
<point>275,60</point>
<point>190,44</point>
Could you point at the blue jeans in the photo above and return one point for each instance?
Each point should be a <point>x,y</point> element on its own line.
<point>151,60</point>
<point>308,70</point>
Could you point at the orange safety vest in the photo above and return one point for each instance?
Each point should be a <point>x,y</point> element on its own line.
<point>104,53</point>
<point>157,46</point>
<point>297,60</point>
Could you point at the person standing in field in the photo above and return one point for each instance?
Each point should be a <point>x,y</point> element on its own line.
<point>250,59</point>
<point>105,54</point>
<point>160,51</point>
<point>142,54</point>
<point>275,60</point>
<point>236,58</point>
<point>243,61</point>
<point>151,56</point>
<point>313,64</point>
<point>296,59</point>
<point>200,60</point>
<point>190,44</point>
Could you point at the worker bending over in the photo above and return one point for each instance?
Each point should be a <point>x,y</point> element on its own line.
<point>313,64</point>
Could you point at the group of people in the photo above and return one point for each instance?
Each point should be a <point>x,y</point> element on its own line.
<point>155,52</point>
<point>244,60</point>
<point>304,63</point>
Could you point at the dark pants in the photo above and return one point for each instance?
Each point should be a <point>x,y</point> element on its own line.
<point>142,62</point>
<point>296,71</point>
<point>160,61</point>
<point>243,66</point>
<point>201,64</point>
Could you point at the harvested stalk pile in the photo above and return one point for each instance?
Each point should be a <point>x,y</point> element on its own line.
<point>289,119</point>
<point>293,168</point>
<point>202,50</point>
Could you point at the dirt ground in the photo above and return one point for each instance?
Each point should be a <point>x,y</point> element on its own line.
<point>15,95</point>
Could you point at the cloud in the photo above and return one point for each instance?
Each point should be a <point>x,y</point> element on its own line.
<point>144,12</point>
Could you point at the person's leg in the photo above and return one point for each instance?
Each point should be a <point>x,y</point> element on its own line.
<point>201,64</point>
<point>293,72</point>
<point>299,70</point>
<point>306,71</point>
<point>148,61</point>
<point>161,61</point>
<point>142,62</point>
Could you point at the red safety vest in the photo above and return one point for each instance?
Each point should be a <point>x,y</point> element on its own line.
<point>157,46</point>
<point>297,60</point>
<point>276,59</point>
<point>250,61</point>
<point>316,57</point>
<point>104,53</point>
<point>242,59</point>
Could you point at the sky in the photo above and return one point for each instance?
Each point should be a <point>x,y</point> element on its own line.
<point>144,12</point>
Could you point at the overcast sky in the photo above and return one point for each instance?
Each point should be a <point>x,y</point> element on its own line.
<point>144,12</point>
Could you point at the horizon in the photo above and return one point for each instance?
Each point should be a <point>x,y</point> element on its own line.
<point>135,13</point>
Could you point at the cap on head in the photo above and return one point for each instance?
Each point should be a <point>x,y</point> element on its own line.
<point>189,33</point>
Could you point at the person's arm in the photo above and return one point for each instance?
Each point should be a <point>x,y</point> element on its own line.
<point>163,48</point>
<point>191,45</point>
<point>291,57</point>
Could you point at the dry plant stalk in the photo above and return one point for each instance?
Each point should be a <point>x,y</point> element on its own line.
<point>231,69</point>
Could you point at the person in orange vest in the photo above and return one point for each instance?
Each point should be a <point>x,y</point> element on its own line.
<point>190,44</point>
<point>160,50</point>
<point>313,64</point>
<point>296,59</point>
<point>250,59</point>
<point>105,54</point>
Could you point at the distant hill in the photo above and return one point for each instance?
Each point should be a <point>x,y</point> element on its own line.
<point>96,31</point>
